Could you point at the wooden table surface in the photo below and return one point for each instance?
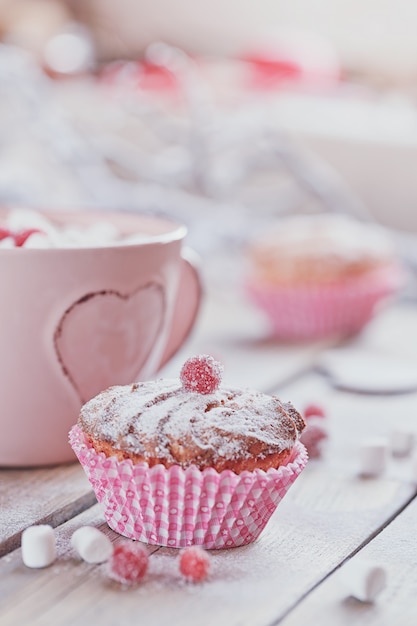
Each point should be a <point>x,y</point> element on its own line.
<point>291,574</point>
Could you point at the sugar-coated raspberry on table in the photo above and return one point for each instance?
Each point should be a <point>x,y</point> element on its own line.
<point>314,410</point>
<point>315,432</point>
<point>312,437</point>
<point>194,564</point>
<point>129,562</point>
<point>201,374</point>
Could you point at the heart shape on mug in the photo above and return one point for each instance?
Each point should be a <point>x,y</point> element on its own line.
<point>106,337</point>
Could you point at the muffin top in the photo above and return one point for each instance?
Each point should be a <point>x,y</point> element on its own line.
<point>192,422</point>
<point>320,248</point>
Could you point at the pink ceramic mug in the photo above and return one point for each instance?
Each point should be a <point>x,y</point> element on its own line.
<point>74,321</point>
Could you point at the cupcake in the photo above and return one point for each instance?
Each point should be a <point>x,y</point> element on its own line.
<point>322,275</point>
<point>189,462</point>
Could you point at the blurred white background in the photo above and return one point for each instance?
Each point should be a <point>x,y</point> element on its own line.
<point>373,36</point>
<point>355,107</point>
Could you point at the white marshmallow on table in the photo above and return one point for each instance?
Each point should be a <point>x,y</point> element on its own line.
<point>91,544</point>
<point>373,456</point>
<point>402,442</point>
<point>38,546</point>
<point>363,579</point>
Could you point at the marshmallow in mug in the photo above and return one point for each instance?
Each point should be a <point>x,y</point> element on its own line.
<point>25,228</point>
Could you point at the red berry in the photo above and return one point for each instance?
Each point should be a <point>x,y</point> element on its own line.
<point>314,410</point>
<point>4,232</point>
<point>201,374</point>
<point>23,235</point>
<point>312,438</point>
<point>194,564</point>
<point>129,562</point>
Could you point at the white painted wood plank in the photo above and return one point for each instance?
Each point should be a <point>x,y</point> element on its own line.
<point>44,495</point>
<point>394,549</point>
<point>352,418</point>
<point>311,532</point>
<point>325,517</point>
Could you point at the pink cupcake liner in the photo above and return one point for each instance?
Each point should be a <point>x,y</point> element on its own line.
<point>305,312</point>
<point>178,507</point>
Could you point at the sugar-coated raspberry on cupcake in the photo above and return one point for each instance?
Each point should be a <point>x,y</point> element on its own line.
<point>186,461</point>
<point>323,274</point>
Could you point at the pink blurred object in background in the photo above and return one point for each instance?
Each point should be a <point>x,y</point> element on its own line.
<point>292,59</point>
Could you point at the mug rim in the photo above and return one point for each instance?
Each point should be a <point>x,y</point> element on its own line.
<point>166,229</point>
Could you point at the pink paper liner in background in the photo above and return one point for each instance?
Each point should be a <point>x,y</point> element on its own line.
<point>314,312</point>
<point>178,507</point>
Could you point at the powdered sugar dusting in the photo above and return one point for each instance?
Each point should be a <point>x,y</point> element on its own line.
<point>161,418</point>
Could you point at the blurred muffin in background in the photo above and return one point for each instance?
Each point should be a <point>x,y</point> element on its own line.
<point>322,275</point>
